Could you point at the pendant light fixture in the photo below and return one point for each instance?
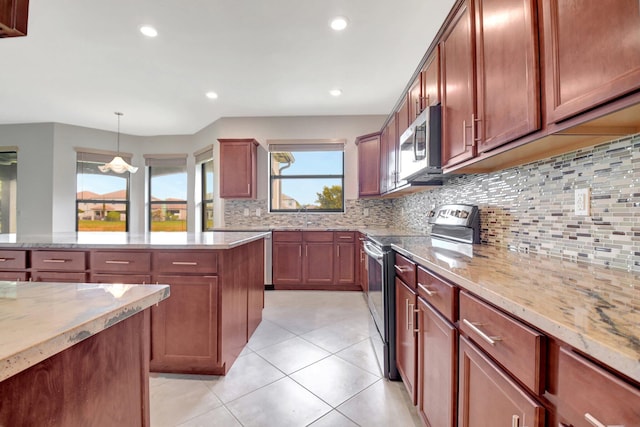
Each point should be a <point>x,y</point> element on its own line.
<point>118,165</point>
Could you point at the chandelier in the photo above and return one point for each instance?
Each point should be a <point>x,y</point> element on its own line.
<point>118,165</point>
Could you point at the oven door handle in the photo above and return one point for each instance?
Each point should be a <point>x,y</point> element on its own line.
<point>373,251</point>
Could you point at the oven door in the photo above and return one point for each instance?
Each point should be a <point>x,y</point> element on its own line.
<point>375,275</point>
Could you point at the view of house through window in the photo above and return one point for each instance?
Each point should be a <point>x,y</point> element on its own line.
<point>8,174</point>
<point>307,176</point>
<point>168,194</point>
<point>102,198</point>
<point>207,195</point>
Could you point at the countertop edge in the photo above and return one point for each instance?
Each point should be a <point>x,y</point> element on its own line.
<point>35,354</point>
<point>608,355</point>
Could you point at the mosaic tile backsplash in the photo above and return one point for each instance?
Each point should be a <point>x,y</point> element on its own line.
<point>529,208</point>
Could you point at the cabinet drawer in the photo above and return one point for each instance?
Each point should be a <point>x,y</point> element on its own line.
<point>13,259</point>
<point>14,276</point>
<point>518,348</point>
<point>406,270</point>
<point>287,236</point>
<point>58,260</point>
<point>185,262</point>
<point>139,279</point>
<point>318,236</point>
<point>58,276</point>
<point>121,262</point>
<point>586,391</point>
<point>440,294</point>
<point>345,236</point>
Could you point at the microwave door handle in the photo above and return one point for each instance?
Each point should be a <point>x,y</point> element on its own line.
<point>415,145</point>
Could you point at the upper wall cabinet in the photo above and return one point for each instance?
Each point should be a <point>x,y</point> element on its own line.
<point>458,88</point>
<point>490,77</point>
<point>368,165</point>
<point>13,18</point>
<point>592,53</point>
<point>238,168</point>
<point>425,89</point>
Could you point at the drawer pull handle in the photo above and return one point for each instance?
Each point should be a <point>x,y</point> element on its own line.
<point>428,291</point>
<point>474,327</point>
<point>184,263</point>
<point>345,237</point>
<point>596,423</point>
<point>109,261</point>
<point>55,261</point>
<point>6,259</point>
<point>402,268</point>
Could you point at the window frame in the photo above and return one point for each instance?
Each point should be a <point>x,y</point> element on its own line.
<point>166,160</point>
<point>306,147</point>
<point>94,157</point>
<point>204,201</point>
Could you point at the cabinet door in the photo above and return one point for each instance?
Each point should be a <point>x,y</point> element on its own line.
<point>458,88</point>
<point>318,263</point>
<point>287,263</point>
<point>406,346</point>
<point>369,166</point>
<point>431,80</point>
<point>507,71</point>
<point>391,150</point>
<point>592,53</point>
<point>238,168</point>
<point>437,367</point>
<point>384,160</point>
<point>489,397</point>
<point>14,16</point>
<point>345,263</point>
<point>415,99</point>
<point>364,272</point>
<point>184,327</point>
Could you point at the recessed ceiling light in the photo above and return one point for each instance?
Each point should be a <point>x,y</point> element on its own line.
<point>211,95</point>
<point>339,23</point>
<point>148,31</point>
<point>335,92</point>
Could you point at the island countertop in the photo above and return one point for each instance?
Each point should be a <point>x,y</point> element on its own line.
<point>116,240</point>
<point>594,309</point>
<point>39,320</point>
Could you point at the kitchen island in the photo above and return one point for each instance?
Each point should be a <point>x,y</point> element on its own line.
<point>216,279</point>
<point>75,354</point>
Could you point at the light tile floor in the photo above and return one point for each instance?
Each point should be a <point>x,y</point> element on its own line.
<point>309,363</point>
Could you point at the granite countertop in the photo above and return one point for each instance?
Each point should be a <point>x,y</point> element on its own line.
<point>594,309</point>
<point>116,240</point>
<point>39,320</point>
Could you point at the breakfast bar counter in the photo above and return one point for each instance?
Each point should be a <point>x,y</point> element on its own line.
<point>75,353</point>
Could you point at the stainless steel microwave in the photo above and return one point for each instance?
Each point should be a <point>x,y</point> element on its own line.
<point>419,154</point>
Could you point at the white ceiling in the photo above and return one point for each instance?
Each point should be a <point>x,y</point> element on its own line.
<point>84,59</point>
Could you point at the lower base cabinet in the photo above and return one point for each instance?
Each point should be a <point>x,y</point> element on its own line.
<point>437,367</point>
<point>184,336</point>
<point>489,397</point>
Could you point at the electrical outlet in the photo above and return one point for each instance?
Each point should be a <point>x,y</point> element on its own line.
<point>583,201</point>
<point>246,211</point>
<point>258,212</point>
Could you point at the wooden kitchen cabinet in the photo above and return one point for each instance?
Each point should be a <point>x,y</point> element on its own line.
<point>403,115</point>
<point>14,17</point>
<point>591,53</point>
<point>587,395</point>
<point>346,270</point>
<point>318,258</point>
<point>120,266</point>
<point>458,88</point>
<point>369,166</point>
<point>184,327</point>
<point>314,260</point>
<point>238,168</point>
<point>490,82</point>
<point>13,265</point>
<point>489,397</point>
<point>362,265</point>
<point>508,96</point>
<point>58,266</point>
<point>406,340</point>
<point>389,159</point>
<point>437,367</point>
<point>430,80</point>
<point>415,99</point>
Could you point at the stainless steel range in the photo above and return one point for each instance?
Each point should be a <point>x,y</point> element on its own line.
<point>453,227</point>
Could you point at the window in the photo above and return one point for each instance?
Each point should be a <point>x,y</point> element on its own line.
<point>167,193</point>
<point>207,195</point>
<point>8,181</point>
<point>102,198</point>
<point>307,176</point>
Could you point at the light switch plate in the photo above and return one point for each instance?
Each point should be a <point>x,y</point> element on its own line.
<point>583,201</point>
